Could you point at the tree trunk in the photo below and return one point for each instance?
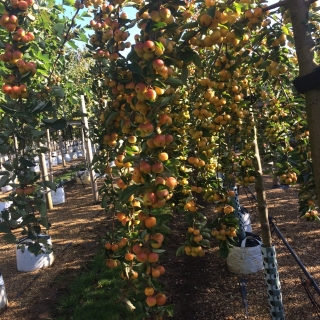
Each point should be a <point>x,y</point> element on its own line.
<point>304,44</point>
<point>261,196</point>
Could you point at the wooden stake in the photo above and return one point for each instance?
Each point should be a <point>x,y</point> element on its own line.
<point>44,173</point>
<point>89,151</point>
<point>50,155</point>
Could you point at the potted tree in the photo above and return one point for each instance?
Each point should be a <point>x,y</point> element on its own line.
<point>28,212</point>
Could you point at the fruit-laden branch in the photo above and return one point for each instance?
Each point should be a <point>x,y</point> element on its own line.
<point>63,43</point>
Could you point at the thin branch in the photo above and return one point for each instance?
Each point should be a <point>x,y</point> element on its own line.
<point>276,5</point>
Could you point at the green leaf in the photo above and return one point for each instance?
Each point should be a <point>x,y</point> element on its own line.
<point>109,120</point>
<point>4,181</point>
<point>4,228</point>
<point>57,92</point>
<point>10,238</point>
<point>51,185</point>
<point>78,114</point>
<point>26,163</point>
<point>180,251</point>
<point>164,101</point>
<point>212,12</point>
<point>170,309</point>
<point>189,25</point>
<point>7,165</point>
<point>174,82</point>
<point>265,76</point>
<point>184,74</point>
<point>128,192</point>
<point>57,124</point>
<point>129,159</point>
<point>159,25</point>
<point>189,34</point>
<point>135,67</point>
<point>197,61</point>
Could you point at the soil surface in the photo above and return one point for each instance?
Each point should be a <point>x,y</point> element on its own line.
<point>200,288</point>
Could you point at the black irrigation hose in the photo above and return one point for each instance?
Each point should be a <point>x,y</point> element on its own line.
<point>311,297</point>
<point>300,264</point>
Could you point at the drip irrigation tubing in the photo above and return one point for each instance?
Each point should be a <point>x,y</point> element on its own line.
<point>296,258</point>
<point>311,297</point>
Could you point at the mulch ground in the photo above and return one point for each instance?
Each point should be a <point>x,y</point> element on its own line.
<point>200,288</point>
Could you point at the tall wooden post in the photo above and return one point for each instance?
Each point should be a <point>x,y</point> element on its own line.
<point>89,151</point>
<point>83,143</point>
<point>50,155</point>
<point>44,173</point>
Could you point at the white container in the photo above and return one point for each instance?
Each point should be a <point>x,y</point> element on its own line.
<point>36,168</point>
<point>59,159</point>
<point>6,188</point>
<point>54,161</point>
<point>74,156</point>
<point>70,149</point>
<point>3,294</point>
<point>3,206</point>
<point>246,219</point>
<point>27,261</point>
<point>67,157</point>
<point>80,154</point>
<point>83,177</point>
<point>245,259</point>
<point>58,196</point>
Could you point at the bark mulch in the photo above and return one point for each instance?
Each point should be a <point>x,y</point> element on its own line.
<point>200,288</point>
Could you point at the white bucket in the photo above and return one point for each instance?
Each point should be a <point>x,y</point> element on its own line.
<point>54,161</point>
<point>3,206</point>
<point>36,168</point>
<point>27,261</point>
<point>58,196</point>
<point>6,188</point>
<point>246,219</point>
<point>74,156</point>
<point>67,157</point>
<point>83,177</point>
<point>3,294</point>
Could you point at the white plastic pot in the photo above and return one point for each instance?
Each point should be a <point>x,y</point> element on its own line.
<point>67,157</point>
<point>6,188</point>
<point>83,177</point>
<point>3,294</point>
<point>54,161</point>
<point>27,261</point>
<point>74,156</point>
<point>3,206</point>
<point>58,196</point>
<point>35,168</point>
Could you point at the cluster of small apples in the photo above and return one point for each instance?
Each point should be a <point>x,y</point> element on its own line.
<point>151,300</point>
<point>194,251</point>
<point>311,214</point>
<point>275,69</point>
<point>255,17</point>
<point>28,190</point>
<point>191,206</point>
<point>112,263</point>
<point>278,41</point>
<point>196,189</point>
<point>224,232</point>
<point>289,178</point>
<point>196,162</point>
<point>114,247</point>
